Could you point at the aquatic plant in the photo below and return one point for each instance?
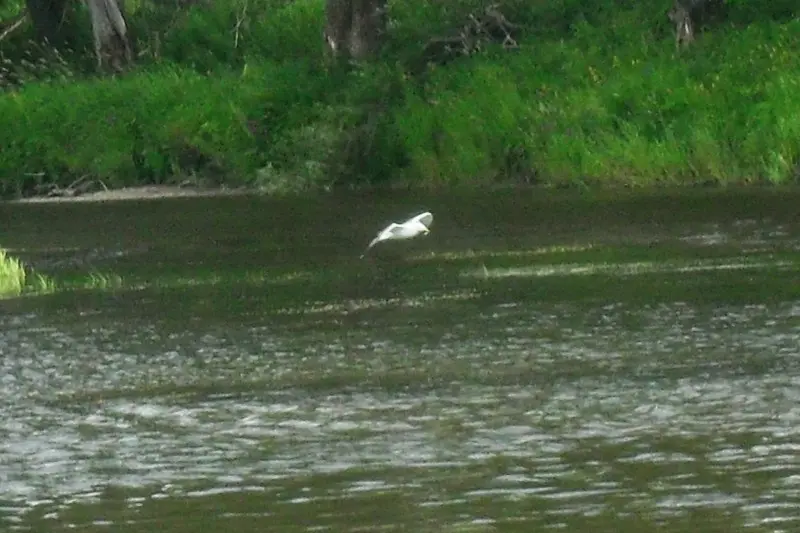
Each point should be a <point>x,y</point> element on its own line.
<point>12,275</point>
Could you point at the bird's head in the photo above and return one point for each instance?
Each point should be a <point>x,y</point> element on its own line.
<point>421,228</point>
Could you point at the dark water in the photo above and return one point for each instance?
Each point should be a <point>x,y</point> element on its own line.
<point>537,363</point>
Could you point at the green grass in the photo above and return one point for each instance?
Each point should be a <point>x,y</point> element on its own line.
<point>629,116</point>
<point>15,280</point>
<point>594,96</point>
<point>12,276</point>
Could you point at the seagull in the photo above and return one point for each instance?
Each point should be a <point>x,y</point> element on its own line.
<point>407,230</point>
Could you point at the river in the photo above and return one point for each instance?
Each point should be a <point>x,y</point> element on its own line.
<point>540,361</point>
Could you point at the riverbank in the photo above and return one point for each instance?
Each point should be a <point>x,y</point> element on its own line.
<point>587,99</point>
<point>144,192</point>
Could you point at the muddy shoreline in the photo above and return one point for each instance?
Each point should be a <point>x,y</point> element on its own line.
<point>146,192</point>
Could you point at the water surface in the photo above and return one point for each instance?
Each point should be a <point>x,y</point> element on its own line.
<point>551,362</point>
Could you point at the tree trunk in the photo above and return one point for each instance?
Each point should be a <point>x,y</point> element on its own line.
<point>111,43</point>
<point>47,17</point>
<point>355,28</point>
<point>684,28</point>
<point>690,16</point>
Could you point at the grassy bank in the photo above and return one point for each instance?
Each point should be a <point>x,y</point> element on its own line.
<point>589,97</point>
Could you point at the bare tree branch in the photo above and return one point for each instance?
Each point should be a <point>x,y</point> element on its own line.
<point>18,21</point>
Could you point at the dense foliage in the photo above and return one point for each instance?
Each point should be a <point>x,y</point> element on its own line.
<point>241,92</point>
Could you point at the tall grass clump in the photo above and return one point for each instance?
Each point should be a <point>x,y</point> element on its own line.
<point>12,275</point>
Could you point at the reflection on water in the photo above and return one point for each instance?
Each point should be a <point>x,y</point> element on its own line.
<point>471,405</point>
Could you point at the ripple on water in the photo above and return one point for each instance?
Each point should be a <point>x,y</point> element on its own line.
<point>579,409</point>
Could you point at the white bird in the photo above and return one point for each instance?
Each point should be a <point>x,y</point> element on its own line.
<point>419,225</point>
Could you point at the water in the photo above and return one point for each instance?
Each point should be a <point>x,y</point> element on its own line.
<point>550,363</point>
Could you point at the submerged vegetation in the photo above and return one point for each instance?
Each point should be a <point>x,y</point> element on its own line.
<point>242,93</point>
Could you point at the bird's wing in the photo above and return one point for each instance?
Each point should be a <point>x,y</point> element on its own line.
<point>426,218</point>
<point>375,241</point>
<point>384,234</point>
<point>387,232</point>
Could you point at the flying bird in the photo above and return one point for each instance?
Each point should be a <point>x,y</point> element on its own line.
<point>419,225</point>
